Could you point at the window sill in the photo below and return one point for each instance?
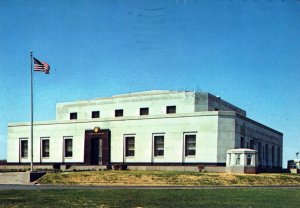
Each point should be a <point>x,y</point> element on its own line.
<point>190,156</point>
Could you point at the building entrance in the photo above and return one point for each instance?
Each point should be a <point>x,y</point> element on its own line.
<point>96,151</point>
<point>97,147</point>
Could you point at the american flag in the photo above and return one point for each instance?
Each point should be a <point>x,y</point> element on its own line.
<point>41,66</point>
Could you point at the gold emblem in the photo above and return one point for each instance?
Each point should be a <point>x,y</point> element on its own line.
<point>96,129</point>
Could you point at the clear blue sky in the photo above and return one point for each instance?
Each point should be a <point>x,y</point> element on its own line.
<point>246,51</point>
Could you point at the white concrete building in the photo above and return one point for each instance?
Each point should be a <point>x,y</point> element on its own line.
<point>241,160</point>
<point>147,128</point>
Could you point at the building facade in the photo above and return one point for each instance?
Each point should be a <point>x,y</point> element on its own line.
<point>146,128</point>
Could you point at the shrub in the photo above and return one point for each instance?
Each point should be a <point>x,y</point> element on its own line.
<point>116,167</point>
<point>123,167</point>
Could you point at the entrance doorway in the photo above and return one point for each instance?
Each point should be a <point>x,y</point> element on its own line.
<point>96,151</point>
<point>97,147</point>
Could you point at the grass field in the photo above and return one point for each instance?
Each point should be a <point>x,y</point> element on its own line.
<point>167,178</point>
<point>276,197</point>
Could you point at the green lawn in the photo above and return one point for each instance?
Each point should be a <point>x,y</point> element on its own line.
<point>266,197</point>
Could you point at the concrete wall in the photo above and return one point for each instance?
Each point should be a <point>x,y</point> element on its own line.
<point>208,102</point>
<point>156,101</point>
<point>20,177</point>
<point>204,125</point>
<point>15,178</point>
<point>241,169</point>
<point>257,133</point>
<point>226,134</point>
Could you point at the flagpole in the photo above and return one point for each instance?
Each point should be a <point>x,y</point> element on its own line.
<point>31,112</point>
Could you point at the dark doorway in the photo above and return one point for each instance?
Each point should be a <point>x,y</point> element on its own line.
<point>96,151</point>
<point>97,147</point>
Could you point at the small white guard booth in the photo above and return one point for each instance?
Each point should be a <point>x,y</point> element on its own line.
<point>297,163</point>
<point>294,166</point>
<point>241,161</point>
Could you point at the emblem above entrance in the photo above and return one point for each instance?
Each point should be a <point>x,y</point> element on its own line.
<point>96,129</point>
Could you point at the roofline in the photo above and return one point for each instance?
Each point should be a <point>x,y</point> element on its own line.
<point>258,124</point>
<point>130,94</point>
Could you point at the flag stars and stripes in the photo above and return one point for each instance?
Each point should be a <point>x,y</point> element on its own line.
<point>41,66</point>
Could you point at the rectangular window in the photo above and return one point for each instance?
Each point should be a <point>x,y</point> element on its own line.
<point>73,116</point>
<point>119,113</point>
<point>190,145</point>
<point>267,155</point>
<point>242,142</point>
<point>238,159</point>
<point>278,157</point>
<point>129,146</point>
<point>171,109</point>
<point>144,111</point>
<point>273,154</point>
<point>259,152</point>
<point>24,148</point>
<point>249,159</point>
<point>45,148</point>
<point>158,145</point>
<point>229,158</point>
<point>95,114</point>
<point>68,147</point>
<point>251,144</point>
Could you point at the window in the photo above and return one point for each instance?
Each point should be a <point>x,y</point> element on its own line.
<point>129,146</point>
<point>278,157</point>
<point>24,148</point>
<point>119,113</point>
<point>273,154</point>
<point>68,147</point>
<point>95,114</point>
<point>242,142</point>
<point>73,116</point>
<point>229,158</point>
<point>158,145</point>
<point>144,111</point>
<point>171,109</point>
<point>249,159</point>
<point>251,144</point>
<point>267,155</point>
<point>259,152</point>
<point>190,145</point>
<point>238,159</point>
<point>45,148</point>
